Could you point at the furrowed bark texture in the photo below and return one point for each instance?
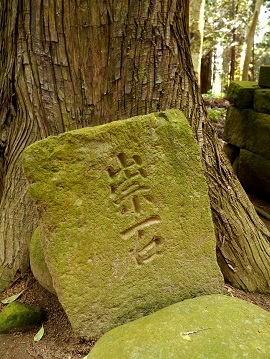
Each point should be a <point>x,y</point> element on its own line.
<point>74,64</point>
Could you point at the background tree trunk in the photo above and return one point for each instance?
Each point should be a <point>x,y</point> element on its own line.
<point>196,21</point>
<point>73,64</point>
<point>250,39</point>
<point>206,72</point>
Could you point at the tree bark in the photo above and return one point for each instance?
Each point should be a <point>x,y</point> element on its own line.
<point>73,64</point>
<point>250,39</point>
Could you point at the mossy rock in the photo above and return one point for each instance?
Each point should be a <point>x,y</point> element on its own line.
<point>211,327</point>
<point>38,263</point>
<point>125,219</point>
<point>20,317</point>
<point>249,130</point>
<point>254,174</point>
<point>231,151</point>
<point>264,76</point>
<point>262,101</point>
<point>241,93</point>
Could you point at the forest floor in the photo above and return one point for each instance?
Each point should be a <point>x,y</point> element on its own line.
<point>59,340</point>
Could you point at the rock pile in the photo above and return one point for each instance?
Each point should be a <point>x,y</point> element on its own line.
<point>247,133</point>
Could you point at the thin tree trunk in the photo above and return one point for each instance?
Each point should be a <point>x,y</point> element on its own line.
<point>232,67</point>
<point>206,72</point>
<point>196,21</point>
<point>72,65</point>
<point>250,39</point>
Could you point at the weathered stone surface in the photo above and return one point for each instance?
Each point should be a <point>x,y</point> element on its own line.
<point>241,93</point>
<point>19,317</point>
<point>125,219</point>
<point>264,76</point>
<point>262,101</point>
<point>254,174</point>
<point>212,327</point>
<point>249,130</point>
<point>38,263</point>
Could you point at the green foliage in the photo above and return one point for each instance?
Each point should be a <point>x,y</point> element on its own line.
<point>216,106</point>
<point>221,18</point>
<point>217,114</point>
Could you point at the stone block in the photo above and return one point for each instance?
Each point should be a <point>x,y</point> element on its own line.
<point>241,93</point>
<point>248,129</point>
<point>231,151</point>
<point>262,101</point>
<point>38,263</point>
<point>212,327</point>
<point>125,219</point>
<point>264,76</point>
<point>20,317</point>
<point>254,174</point>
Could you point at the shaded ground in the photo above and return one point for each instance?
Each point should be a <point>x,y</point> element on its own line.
<point>58,340</point>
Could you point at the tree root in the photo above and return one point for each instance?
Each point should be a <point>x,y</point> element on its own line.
<point>262,213</point>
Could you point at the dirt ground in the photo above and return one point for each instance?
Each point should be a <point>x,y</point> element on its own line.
<point>59,340</point>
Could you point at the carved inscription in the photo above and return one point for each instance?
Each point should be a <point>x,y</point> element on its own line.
<point>131,191</point>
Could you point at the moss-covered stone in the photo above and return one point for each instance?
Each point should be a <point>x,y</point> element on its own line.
<point>38,263</point>
<point>19,317</point>
<point>235,165</point>
<point>231,151</point>
<point>249,130</point>
<point>241,93</point>
<point>125,219</point>
<point>262,101</point>
<point>264,76</point>
<point>254,174</point>
<point>212,327</point>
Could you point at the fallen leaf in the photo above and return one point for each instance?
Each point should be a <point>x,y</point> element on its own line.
<point>39,334</point>
<point>12,298</point>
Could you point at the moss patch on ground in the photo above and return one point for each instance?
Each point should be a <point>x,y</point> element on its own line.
<point>19,317</point>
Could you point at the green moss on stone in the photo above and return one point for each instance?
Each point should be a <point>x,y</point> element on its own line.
<point>19,317</point>
<point>212,327</point>
<point>241,93</point>
<point>38,263</point>
<point>262,101</point>
<point>81,188</point>
<point>231,151</point>
<point>249,130</point>
<point>254,174</point>
<point>264,76</point>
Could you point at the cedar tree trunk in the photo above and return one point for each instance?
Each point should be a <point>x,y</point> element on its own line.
<point>250,39</point>
<point>67,64</point>
<point>196,24</point>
